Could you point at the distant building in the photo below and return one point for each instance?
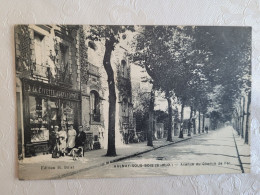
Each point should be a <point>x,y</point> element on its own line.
<point>124,93</point>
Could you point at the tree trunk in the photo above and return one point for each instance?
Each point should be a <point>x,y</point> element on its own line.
<point>190,122</point>
<point>151,117</point>
<point>243,117</point>
<point>240,117</point>
<point>203,123</point>
<point>238,124</point>
<point>194,123</point>
<point>176,120</point>
<point>248,117</point>
<point>199,122</point>
<point>111,150</point>
<point>169,137</point>
<point>181,124</point>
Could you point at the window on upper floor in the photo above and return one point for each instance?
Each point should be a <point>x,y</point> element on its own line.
<point>64,56</point>
<point>39,68</point>
<point>39,48</point>
<point>64,70</point>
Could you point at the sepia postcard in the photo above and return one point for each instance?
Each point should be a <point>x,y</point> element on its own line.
<point>97,101</point>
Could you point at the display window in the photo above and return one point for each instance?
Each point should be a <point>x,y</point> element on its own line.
<point>38,119</point>
<point>46,113</point>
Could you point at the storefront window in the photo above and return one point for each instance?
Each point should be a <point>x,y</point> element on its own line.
<point>38,119</point>
<point>45,113</point>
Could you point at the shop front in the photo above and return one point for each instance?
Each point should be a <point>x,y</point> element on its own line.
<point>44,107</point>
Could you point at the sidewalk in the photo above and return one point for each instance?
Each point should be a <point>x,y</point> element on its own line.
<point>243,152</point>
<point>45,167</point>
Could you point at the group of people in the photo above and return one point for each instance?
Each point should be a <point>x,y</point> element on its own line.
<point>62,141</point>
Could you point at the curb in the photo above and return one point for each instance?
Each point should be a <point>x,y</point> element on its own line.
<point>122,158</point>
<point>238,156</point>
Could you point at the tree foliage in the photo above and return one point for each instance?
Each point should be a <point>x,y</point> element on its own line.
<point>204,67</point>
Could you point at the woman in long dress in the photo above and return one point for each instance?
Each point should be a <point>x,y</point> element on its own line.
<point>71,138</point>
<point>62,140</point>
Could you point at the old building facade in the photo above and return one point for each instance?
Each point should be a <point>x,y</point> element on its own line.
<point>48,83</point>
<point>92,108</point>
<point>124,127</point>
<point>60,82</point>
<point>124,93</point>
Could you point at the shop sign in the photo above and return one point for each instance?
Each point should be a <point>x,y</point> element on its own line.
<point>48,90</point>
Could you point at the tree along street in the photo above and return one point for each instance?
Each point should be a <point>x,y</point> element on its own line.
<point>214,152</point>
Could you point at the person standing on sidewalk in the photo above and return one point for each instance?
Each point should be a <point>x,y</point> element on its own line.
<point>71,138</point>
<point>62,140</point>
<point>55,142</point>
<point>206,129</point>
<point>80,139</point>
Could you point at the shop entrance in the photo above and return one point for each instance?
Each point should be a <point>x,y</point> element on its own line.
<point>44,108</point>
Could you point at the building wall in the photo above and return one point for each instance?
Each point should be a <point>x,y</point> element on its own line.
<point>27,57</point>
<point>91,126</point>
<point>124,117</point>
<point>42,62</point>
<point>95,57</point>
<point>40,53</point>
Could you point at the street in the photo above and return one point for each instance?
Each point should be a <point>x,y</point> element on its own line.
<point>208,153</point>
